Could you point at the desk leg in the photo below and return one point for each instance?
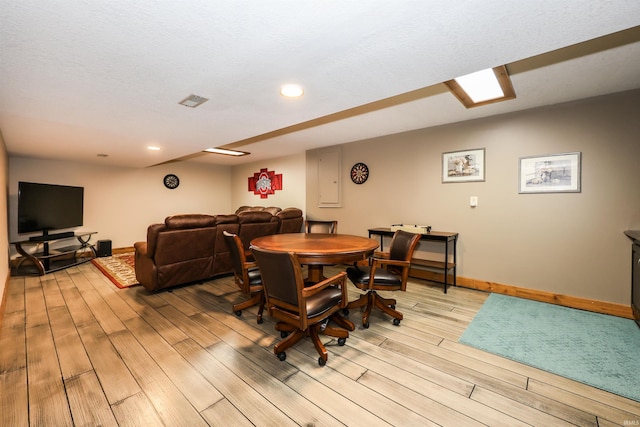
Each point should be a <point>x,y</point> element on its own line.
<point>446,264</point>
<point>381,241</point>
<point>455,261</point>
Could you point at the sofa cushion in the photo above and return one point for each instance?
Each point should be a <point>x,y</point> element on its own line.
<point>179,222</point>
<point>226,219</point>
<point>273,210</point>
<point>254,216</point>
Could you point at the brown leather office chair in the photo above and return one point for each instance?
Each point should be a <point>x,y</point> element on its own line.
<point>387,272</point>
<point>302,310</point>
<point>246,275</point>
<point>330,227</point>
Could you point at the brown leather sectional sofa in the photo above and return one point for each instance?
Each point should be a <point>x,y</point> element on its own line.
<point>191,247</point>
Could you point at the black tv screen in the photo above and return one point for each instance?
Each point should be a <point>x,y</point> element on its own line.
<point>46,207</point>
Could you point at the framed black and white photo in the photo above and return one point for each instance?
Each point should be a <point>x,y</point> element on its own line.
<point>554,173</point>
<point>463,166</point>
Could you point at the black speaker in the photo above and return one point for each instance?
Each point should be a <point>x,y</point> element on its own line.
<point>104,248</point>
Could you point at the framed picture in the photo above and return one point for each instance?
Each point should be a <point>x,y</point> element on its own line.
<point>463,166</point>
<point>555,173</point>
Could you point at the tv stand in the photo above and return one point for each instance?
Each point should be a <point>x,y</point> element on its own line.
<point>48,237</point>
<point>49,259</point>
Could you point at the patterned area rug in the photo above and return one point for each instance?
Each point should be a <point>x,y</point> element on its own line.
<point>119,268</point>
<point>592,348</point>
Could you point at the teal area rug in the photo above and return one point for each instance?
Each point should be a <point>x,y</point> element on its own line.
<point>595,349</point>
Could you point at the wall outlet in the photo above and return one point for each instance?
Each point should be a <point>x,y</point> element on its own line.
<point>473,201</point>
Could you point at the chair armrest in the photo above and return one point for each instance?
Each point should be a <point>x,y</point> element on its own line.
<point>394,262</point>
<point>250,264</point>
<point>383,255</point>
<point>377,263</point>
<point>338,279</point>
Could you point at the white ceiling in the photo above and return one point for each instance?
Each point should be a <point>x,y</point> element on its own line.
<point>78,79</point>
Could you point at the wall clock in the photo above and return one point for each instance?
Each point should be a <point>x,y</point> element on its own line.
<point>359,173</point>
<point>171,181</point>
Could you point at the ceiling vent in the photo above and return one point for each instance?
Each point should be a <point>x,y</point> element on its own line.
<point>193,101</point>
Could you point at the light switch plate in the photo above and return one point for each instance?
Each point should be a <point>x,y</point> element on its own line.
<point>473,201</point>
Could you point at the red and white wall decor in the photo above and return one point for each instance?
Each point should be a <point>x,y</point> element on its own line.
<point>265,182</point>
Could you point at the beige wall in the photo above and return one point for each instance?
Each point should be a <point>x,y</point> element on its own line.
<point>4,235</point>
<point>121,202</point>
<point>293,192</point>
<point>570,243</point>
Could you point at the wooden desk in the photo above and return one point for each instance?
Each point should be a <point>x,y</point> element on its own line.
<point>449,240</point>
<point>318,250</point>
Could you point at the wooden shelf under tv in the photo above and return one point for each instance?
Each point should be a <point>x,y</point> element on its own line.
<point>47,259</point>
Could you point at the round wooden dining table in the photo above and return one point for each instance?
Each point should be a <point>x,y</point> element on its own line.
<point>318,250</point>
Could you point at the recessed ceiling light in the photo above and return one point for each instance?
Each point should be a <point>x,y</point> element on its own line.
<point>193,101</point>
<point>226,152</point>
<point>291,90</point>
<point>483,87</point>
<point>153,148</point>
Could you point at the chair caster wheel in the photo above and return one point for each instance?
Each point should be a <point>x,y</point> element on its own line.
<point>260,321</point>
<point>321,361</point>
<point>365,325</point>
<point>396,322</point>
<point>345,312</point>
<point>282,356</point>
<point>284,334</point>
<point>341,341</point>
<point>238,313</point>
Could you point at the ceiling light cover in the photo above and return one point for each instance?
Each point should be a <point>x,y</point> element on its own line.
<point>291,91</point>
<point>226,152</point>
<point>193,101</point>
<point>483,87</point>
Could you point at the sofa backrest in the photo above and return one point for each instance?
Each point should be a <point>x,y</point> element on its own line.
<point>254,224</point>
<point>185,237</point>
<point>290,220</point>
<point>184,248</point>
<point>273,210</point>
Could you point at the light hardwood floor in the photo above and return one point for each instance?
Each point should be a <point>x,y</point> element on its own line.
<point>76,350</point>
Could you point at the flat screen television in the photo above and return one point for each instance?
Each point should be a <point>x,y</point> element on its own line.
<point>48,207</point>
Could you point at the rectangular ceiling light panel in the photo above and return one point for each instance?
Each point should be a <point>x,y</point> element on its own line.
<point>483,87</point>
<point>193,101</point>
<point>226,152</point>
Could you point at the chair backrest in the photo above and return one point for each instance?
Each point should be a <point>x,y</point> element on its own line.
<point>403,244</point>
<point>236,248</point>
<point>283,283</point>
<point>312,226</point>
